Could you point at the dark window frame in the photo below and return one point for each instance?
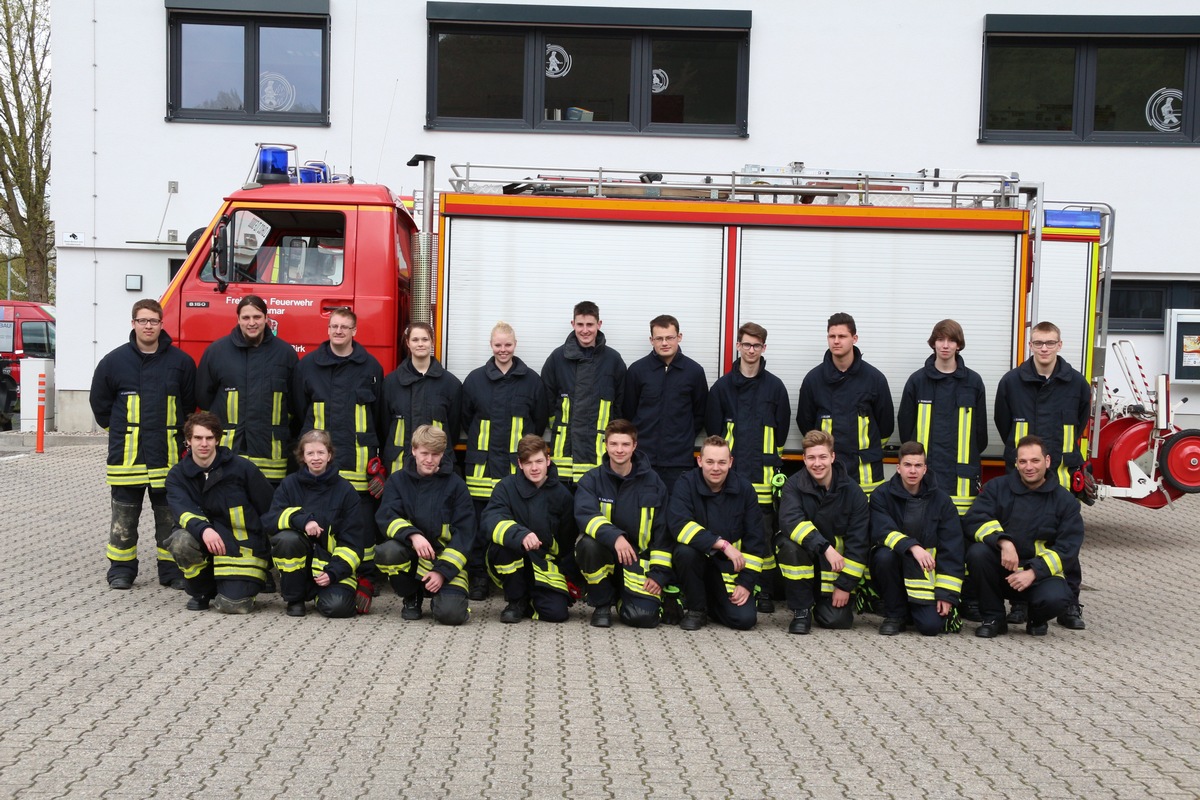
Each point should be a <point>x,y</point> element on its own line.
<point>1175,294</point>
<point>1087,35</point>
<point>536,23</point>
<point>251,23</point>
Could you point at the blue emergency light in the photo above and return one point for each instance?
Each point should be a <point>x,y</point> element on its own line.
<point>272,165</point>
<point>1072,219</point>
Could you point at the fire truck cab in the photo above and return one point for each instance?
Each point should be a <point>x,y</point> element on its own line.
<point>26,331</point>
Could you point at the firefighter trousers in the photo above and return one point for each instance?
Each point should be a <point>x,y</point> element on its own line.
<point>237,575</point>
<point>123,532</point>
<point>293,554</point>
<point>531,576</point>
<point>887,571</point>
<point>609,582</point>
<point>405,571</point>
<point>707,583</point>
<point>1047,597</point>
<point>801,587</point>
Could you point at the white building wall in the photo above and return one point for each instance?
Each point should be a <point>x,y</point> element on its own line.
<point>871,84</point>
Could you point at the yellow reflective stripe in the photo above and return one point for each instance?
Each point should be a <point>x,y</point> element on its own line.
<point>634,578</point>
<point>509,568</point>
<point>602,423</point>
<point>237,521</point>
<point>924,415</point>
<point>454,558</point>
<point>1052,559</point>
<point>827,581</point>
<point>271,468</point>
<point>689,531</point>
<point>646,525</point>
<point>1020,431</point>
<point>515,431</point>
<point>285,517</point>
<point>595,524</point>
<point>987,529</point>
<point>892,539</point>
<point>289,564</point>
<point>501,528</point>
<point>358,480</point>
<point>801,531</point>
<point>158,475</point>
<point>753,563</point>
<point>127,476</point>
<point>392,570</point>
<point>794,573</point>
<point>276,408</point>
<point>853,568</point>
<point>360,418</point>
<point>133,406</point>
<point>729,425</point>
<point>164,554</point>
<point>660,558</point>
<point>948,582</point>
<point>348,555</point>
<point>864,432</point>
<point>318,410</point>
<point>188,516</point>
<point>484,437</point>
<point>768,438</point>
<point>398,440</point>
<point>598,575</point>
<point>550,576</point>
<point>768,563</point>
<point>965,415</point>
<point>121,553</point>
<point>919,588</point>
<point>395,525</point>
<point>231,408</point>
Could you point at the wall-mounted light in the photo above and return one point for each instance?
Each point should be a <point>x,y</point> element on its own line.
<point>133,283</point>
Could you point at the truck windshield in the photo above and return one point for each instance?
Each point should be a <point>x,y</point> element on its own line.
<point>286,246</point>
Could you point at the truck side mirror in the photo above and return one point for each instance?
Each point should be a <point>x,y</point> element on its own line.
<point>221,262</point>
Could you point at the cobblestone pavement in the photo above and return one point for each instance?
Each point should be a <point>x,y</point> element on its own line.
<point>126,694</point>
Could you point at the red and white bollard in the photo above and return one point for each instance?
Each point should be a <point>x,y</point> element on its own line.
<point>41,414</point>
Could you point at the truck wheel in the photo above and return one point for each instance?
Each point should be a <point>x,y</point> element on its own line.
<point>1179,461</point>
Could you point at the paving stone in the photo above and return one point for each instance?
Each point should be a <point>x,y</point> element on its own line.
<point>124,694</point>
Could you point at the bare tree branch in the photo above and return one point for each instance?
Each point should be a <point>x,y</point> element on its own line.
<point>25,137</point>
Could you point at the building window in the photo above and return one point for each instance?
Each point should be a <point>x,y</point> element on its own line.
<point>248,68</point>
<point>613,70</point>
<point>1091,80</point>
<point>1142,306</point>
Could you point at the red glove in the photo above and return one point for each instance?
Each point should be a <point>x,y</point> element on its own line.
<point>363,595</point>
<point>376,477</point>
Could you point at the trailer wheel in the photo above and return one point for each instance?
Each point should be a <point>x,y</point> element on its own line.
<point>1179,461</point>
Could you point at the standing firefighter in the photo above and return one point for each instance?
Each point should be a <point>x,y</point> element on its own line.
<point>586,382</point>
<point>218,501</point>
<point>502,401</point>
<point>141,394</point>
<point>245,379</point>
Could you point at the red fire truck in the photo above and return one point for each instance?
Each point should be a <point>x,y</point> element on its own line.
<point>26,331</point>
<point>780,246</point>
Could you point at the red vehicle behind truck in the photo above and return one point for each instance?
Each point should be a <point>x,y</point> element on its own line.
<point>26,331</point>
<point>780,246</point>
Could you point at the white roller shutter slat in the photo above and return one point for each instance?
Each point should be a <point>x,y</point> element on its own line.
<point>531,273</point>
<point>896,285</point>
